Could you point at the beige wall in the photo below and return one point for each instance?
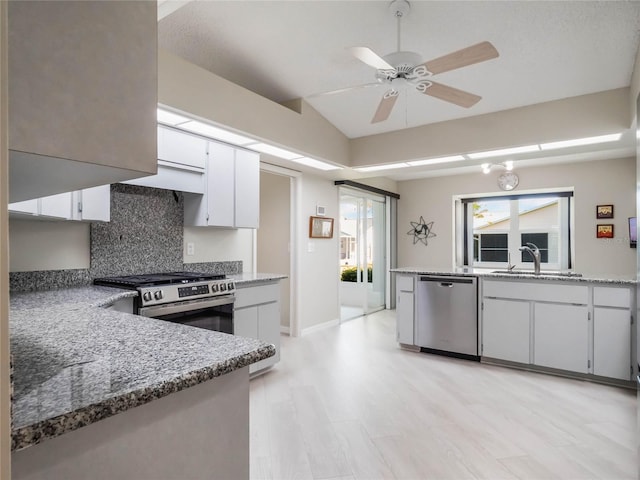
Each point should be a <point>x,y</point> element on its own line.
<point>219,245</point>
<point>274,234</point>
<point>601,182</point>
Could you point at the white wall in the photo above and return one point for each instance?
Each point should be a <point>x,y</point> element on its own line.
<point>601,182</point>
<point>219,245</point>
<point>41,245</point>
<point>318,270</point>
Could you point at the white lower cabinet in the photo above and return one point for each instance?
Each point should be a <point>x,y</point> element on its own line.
<point>505,330</point>
<point>561,336</point>
<point>405,309</point>
<point>257,315</point>
<point>579,328</point>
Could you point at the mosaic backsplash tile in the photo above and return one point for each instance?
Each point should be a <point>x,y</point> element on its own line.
<point>145,235</point>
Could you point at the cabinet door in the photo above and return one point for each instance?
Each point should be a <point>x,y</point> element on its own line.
<point>612,342</point>
<point>247,189</point>
<point>268,332</point>
<point>220,185</point>
<point>56,206</point>
<point>181,148</point>
<point>561,337</point>
<point>28,206</point>
<point>405,318</point>
<point>95,204</point>
<point>245,322</point>
<point>505,330</point>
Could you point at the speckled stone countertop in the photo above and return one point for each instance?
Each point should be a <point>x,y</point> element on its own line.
<point>76,363</point>
<point>489,273</point>
<point>246,279</point>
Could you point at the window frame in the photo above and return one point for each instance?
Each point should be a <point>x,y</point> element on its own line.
<point>464,235</point>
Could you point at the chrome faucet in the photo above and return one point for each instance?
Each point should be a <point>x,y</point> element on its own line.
<point>535,253</point>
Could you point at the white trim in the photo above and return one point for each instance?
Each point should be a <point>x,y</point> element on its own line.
<point>320,326</point>
<point>284,329</point>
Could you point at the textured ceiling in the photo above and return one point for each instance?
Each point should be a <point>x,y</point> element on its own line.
<point>291,49</point>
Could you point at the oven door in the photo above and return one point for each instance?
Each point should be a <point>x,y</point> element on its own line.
<point>208,313</point>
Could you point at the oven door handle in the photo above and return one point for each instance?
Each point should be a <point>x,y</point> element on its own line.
<point>180,307</point>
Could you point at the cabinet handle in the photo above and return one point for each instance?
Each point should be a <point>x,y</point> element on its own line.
<point>447,284</point>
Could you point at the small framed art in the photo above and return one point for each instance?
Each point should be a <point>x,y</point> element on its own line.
<point>604,231</point>
<point>604,211</point>
<point>320,227</point>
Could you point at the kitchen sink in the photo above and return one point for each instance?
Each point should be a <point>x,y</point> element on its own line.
<point>549,273</point>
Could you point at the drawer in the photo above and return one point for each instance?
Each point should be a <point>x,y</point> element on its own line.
<point>538,291</point>
<point>404,283</point>
<point>612,297</point>
<point>248,296</point>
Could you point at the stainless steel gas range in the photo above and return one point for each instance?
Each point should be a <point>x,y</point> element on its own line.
<point>195,299</point>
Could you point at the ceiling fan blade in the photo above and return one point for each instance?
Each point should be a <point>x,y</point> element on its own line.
<point>385,106</point>
<point>368,56</point>
<point>451,95</point>
<point>346,89</point>
<point>467,56</point>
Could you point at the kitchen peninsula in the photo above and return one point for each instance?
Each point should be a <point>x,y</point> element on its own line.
<point>154,399</point>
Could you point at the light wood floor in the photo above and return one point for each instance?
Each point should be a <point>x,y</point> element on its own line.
<point>348,403</point>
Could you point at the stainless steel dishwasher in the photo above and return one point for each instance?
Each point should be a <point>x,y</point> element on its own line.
<point>447,316</point>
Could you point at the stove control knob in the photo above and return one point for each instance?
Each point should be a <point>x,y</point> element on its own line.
<point>214,288</point>
<point>223,287</point>
<point>146,296</point>
<point>157,294</point>
<point>230,286</point>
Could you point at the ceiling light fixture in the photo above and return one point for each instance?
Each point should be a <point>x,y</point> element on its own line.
<point>433,161</point>
<point>170,118</point>
<point>216,133</point>
<point>504,151</point>
<point>486,167</point>
<point>614,137</point>
<point>375,168</point>
<point>275,151</point>
<point>312,162</point>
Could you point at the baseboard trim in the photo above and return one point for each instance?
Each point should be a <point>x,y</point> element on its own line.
<point>320,326</point>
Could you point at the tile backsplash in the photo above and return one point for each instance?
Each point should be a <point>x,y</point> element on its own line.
<point>145,235</point>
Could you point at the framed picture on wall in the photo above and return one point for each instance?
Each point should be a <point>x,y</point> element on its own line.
<point>320,227</point>
<point>604,211</point>
<point>604,231</point>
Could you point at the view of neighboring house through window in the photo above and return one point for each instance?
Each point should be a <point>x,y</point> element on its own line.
<point>496,228</point>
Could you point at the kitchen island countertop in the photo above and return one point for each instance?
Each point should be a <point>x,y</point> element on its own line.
<point>76,363</point>
<point>614,279</point>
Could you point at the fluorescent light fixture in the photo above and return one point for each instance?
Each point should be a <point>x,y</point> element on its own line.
<point>375,168</point>
<point>614,137</point>
<point>312,162</point>
<point>170,118</point>
<point>216,133</point>
<point>275,151</point>
<point>433,161</point>
<point>504,151</point>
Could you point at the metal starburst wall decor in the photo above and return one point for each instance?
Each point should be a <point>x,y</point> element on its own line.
<point>421,231</point>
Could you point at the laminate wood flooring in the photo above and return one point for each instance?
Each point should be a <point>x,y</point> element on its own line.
<point>348,403</point>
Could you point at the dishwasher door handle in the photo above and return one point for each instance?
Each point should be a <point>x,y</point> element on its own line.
<point>447,284</point>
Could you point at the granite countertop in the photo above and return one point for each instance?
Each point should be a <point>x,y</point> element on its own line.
<point>244,279</point>
<point>76,363</point>
<point>614,279</point>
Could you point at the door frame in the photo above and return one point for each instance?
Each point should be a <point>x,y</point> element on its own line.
<point>295,193</point>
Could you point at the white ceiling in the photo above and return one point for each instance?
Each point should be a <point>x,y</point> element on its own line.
<point>290,49</point>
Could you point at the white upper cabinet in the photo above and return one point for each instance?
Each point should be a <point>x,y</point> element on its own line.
<point>83,94</point>
<point>181,163</point>
<point>232,190</point>
<point>91,204</point>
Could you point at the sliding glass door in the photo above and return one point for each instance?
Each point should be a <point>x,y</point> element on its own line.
<point>362,253</point>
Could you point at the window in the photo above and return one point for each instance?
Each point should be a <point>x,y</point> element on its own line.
<point>493,229</point>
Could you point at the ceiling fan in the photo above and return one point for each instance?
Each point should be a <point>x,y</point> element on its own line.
<point>400,70</point>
